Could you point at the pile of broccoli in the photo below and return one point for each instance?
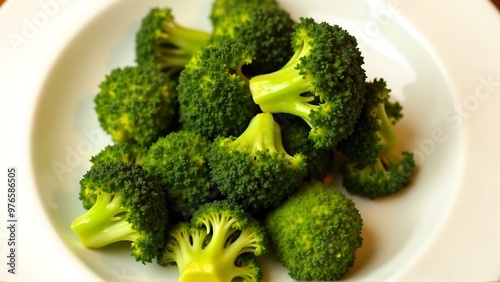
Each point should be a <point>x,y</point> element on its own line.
<point>222,142</point>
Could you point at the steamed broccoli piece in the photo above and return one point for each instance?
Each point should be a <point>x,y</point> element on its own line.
<point>267,28</point>
<point>294,133</point>
<point>180,162</point>
<point>119,152</point>
<point>315,234</point>
<point>220,8</point>
<point>165,44</point>
<point>130,206</point>
<point>374,168</point>
<point>136,104</point>
<point>219,244</point>
<point>253,169</point>
<point>213,94</point>
<point>323,83</point>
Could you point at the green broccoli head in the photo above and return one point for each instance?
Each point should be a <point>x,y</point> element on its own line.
<point>323,82</point>
<point>315,234</point>
<point>213,95</point>
<point>119,152</point>
<point>165,44</point>
<point>136,104</point>
<point>295,140</point>
<point>254,170</point>
<point>373,167</point>
<point>220,8</point>
<point>180,162</point>
<point>391,173</point>
<point>219,244</point>
<point>130,206</point>
<point>267,28</point>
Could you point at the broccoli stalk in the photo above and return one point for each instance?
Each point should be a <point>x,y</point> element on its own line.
<point>322,83</point>
<point>254,170</point>
<point>165,43</point>
<point>212,246</point>
<point>129,206</point>
<point>104,223</point>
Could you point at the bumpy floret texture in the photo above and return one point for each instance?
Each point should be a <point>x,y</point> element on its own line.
<point>136,104</point>
<point>180,162</point>
<point>253,169</point>
<point>323,83</point>
<point>130,206</point>
<point>267,28</point>
<point>220,8</point>
<point>213,96</point>
<point>315,233</point>
<point>161,42</point>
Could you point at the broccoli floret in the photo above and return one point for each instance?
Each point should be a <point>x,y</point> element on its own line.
<point>294,132</point>
<point>165,44</point>
<point>130,206</point>
<point>119,152</point>
<point>220,8</point>
<point>374,168</point>
<point>315,234</point>
<point>136,104</point>
<point>180,162</point>
<point>213,95</point>
<point>323,83</point>
<point>253,169</point>
<point>267,28</point>
<point>219,244</point>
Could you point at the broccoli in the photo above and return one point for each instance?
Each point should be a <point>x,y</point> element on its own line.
<point>253,169</point>
<point>315,234</point>
<point>374,168</point>
<point>130,206</point>
<point>294,133</point>
<point>220,8</point>
<point>119,152</point>
<point>165,44</point>
<point>213,95</point>
<point>323,83</point>
<point>267,28</point>
<point>180,162</point>
<point>136,104</point>
<point>220,243</point>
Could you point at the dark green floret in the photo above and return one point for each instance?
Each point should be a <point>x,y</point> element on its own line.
<point>294,132</point>
<point>136,104</point>
<point>267,28</point>
<point>253,169</point>
<point>119,152</point>
<point>180,162</point>
<point>213,93</point>
<point>130,206</point>
<point>219,244</point>
<point>323,83</point>
<point>165,44</point>
<point>220,8</point>
<point>374,168</point>
<point>315,234</point>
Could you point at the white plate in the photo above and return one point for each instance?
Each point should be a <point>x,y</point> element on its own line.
<point>440,59</point>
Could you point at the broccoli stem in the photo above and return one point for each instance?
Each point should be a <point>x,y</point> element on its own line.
<point>280,92</point>
<point>259,135</point>
<point>104,223</point>
<point>387,133</point>
<point>188,39</point>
